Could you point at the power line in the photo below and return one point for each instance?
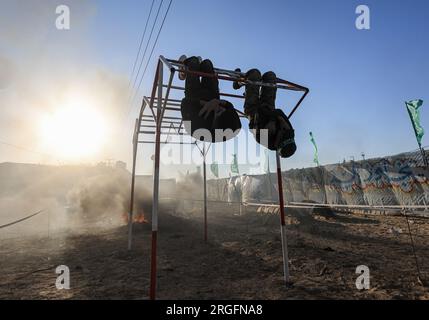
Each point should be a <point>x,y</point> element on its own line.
<point>25,149</point>
<point>20,220</point>
<point>147,45</point>
<point>141,43</point>
<point>151,53</point>
<point>153,48</point>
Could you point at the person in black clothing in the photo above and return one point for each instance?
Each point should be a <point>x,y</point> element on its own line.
<point>202,107</point>
<point>259,107</point>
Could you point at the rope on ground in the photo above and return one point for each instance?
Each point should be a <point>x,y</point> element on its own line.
<point>20,220</point>
<point>419,276</point>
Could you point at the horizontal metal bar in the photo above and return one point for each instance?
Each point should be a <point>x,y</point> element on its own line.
<point>237,76</point>
<point>171,122</point>
<point>172,100</point>
<point>162,133</point>
<point>163,121</point>
<point>168,108</point>
<point>232,95</point>
<point>163,99</point>
<point>166,117</point>
<point>222,94</point>
<point>361,206</point>
<point>174,87</point>
<point>170,105</point>
<point>166,123</point>
<point>240,113</point>
<point>171,142</point>
<point>171,118</point>
<point>297,86</point>
<point>162,127</point>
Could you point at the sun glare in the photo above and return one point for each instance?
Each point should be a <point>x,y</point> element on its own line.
<point>74,131</point>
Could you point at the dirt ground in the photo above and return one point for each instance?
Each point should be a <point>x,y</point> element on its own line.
<point>242,259</point>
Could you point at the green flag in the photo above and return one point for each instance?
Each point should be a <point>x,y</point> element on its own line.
<point>215,169</point>
<point>413,108</point>
<point>316,152</point>
<point>234,164</point>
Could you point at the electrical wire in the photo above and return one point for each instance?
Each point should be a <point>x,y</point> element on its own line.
<point>153,48</point>
<point>141,43</point>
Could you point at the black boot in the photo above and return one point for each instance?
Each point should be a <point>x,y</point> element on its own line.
<point>286,144</point>
<point>236,85</point>
<point>192,82</point>
<point>209,85</point>
<point>252,101</point>
<point>268,94</point>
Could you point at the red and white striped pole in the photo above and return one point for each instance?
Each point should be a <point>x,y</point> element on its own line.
<point>282,220</point>
<point>153,265</point>
<point>155,199</point>
<point>205,191</point>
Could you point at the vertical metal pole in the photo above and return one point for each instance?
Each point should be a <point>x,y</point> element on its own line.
<point>269,177</point>
<point>49,224</point>
<point>153,266</point>
<point>133,177</point>
<point>271,186</point>
<point>282,221</point>
<point>205,191</point>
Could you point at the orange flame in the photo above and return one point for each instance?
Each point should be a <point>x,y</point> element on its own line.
<point>137,218</point>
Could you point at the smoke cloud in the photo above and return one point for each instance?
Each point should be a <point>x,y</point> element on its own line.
<point>74,199</point>
<point>106,197</point>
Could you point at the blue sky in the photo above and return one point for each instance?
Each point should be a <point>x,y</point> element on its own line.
<point>359,80</point>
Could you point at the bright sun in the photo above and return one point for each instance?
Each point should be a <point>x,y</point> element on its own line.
<point>74,131</point>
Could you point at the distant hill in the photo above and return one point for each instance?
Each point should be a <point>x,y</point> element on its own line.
<point>46,180</point>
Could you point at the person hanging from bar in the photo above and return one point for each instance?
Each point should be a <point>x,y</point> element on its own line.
<point>202,107</point>
<point>259,107</point>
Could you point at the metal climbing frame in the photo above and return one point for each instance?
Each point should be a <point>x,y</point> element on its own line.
<point>160,117</point>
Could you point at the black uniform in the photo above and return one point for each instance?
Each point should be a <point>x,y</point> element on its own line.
<point>206,89</point>
<point>260,109</point>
